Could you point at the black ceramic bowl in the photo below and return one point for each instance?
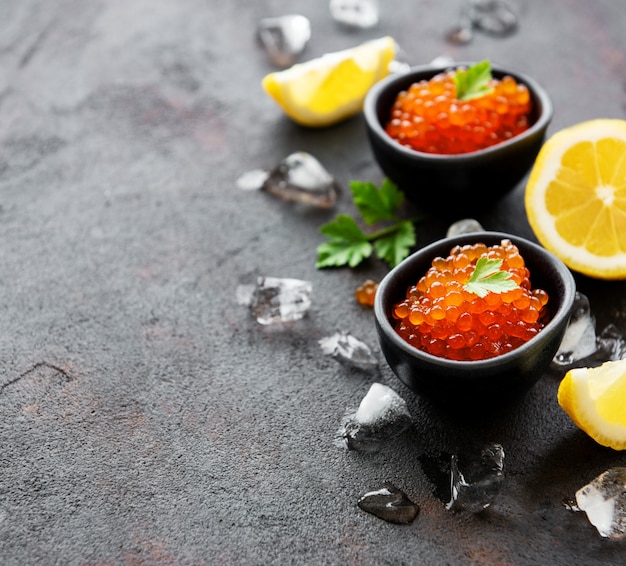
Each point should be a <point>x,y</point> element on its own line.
<point>493,380</point>
<point>460,181</point>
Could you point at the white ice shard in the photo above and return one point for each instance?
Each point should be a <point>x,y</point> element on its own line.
<point>349,350</point>
<point>382,415</point>
<point>252,180</point>
<point>604,502</point>
<point>355,13</point>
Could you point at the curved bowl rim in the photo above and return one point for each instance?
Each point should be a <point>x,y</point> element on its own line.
<point>562,312</point>
<point>391,82</point>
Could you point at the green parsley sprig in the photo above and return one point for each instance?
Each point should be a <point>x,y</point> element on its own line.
<point>474,81</point>
<point>348,245</point>
<point>489,278</point>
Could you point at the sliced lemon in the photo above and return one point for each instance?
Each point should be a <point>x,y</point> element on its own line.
<point>332,87</point>
<point>576,197</point>
<point>595,400</point>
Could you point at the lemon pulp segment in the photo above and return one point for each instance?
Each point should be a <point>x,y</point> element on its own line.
<point>576,197</point>
<point>595,400</point>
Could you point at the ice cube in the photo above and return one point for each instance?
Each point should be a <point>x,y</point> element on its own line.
<point>580,337</point>
<point>284,38</point>
<point>476,479</point>
<point>604,502</point>
<point>390,504</point>
<point>301,178</point>
<point>355,13</point>
<point>276,300</point>
<point>464,226</point>
<point>349,350</point>
<point>381,416</point>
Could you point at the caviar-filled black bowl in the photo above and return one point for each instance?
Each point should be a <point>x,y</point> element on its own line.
<point>496,379</point>
<point>450,183</point>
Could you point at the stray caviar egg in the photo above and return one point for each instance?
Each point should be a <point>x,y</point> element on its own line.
<point>439,315</point>
<point>428,116</point>
<point>366,293</point>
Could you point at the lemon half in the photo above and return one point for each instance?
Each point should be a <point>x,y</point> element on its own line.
<point>332,87</point>
<point>595,400</point>
<point>576,197</point>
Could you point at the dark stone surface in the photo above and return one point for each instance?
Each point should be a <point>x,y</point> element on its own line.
<point>145,418</point>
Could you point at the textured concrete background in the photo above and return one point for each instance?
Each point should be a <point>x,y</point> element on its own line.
<point>145,418</point>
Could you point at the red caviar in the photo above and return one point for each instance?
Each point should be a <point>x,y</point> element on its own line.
<point>441,317</point>
<point>429,117</point>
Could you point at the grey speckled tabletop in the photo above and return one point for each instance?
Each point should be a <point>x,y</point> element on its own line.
<point>145,418</point>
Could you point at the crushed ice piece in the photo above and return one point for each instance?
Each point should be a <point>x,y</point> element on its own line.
<point>390,504</point>
<point>581,346</point>
<point>579,340</point>
<point>381,416</point>
<point>604,502</point>
<point>284,38</point>
<point>253,180</point>
<point>361,14</point>
<point>475,480</point>
<point>400,63</point>
<point>495,17</point>
<point>275,300</point>
<point>398,67</point>
<point>442,61</point>
<point>461,33</point>
<point>464,226</point>
<point>610,345</point>
<point>301,178</point>
<point>349,350</point>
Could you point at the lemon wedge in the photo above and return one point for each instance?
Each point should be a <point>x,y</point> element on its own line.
<point>595,400</point>
<point>576,197</point>
<point>326,90</point>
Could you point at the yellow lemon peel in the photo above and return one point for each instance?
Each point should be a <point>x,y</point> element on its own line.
<point>331,88</point>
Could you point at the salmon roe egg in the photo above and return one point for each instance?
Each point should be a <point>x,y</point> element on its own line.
<point>429,117</point>
<point>439,316</point>
<point>366,293</point>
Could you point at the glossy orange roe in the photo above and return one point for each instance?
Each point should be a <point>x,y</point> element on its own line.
<point>366,293</point>
<point>440,317</point>
<point>428,117</point>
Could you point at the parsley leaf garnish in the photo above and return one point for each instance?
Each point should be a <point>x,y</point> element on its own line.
<point>473,82</point>
<point>394,247</point>
<point>374,204</point>
<point>489,278</point>
<point>348,245</point>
